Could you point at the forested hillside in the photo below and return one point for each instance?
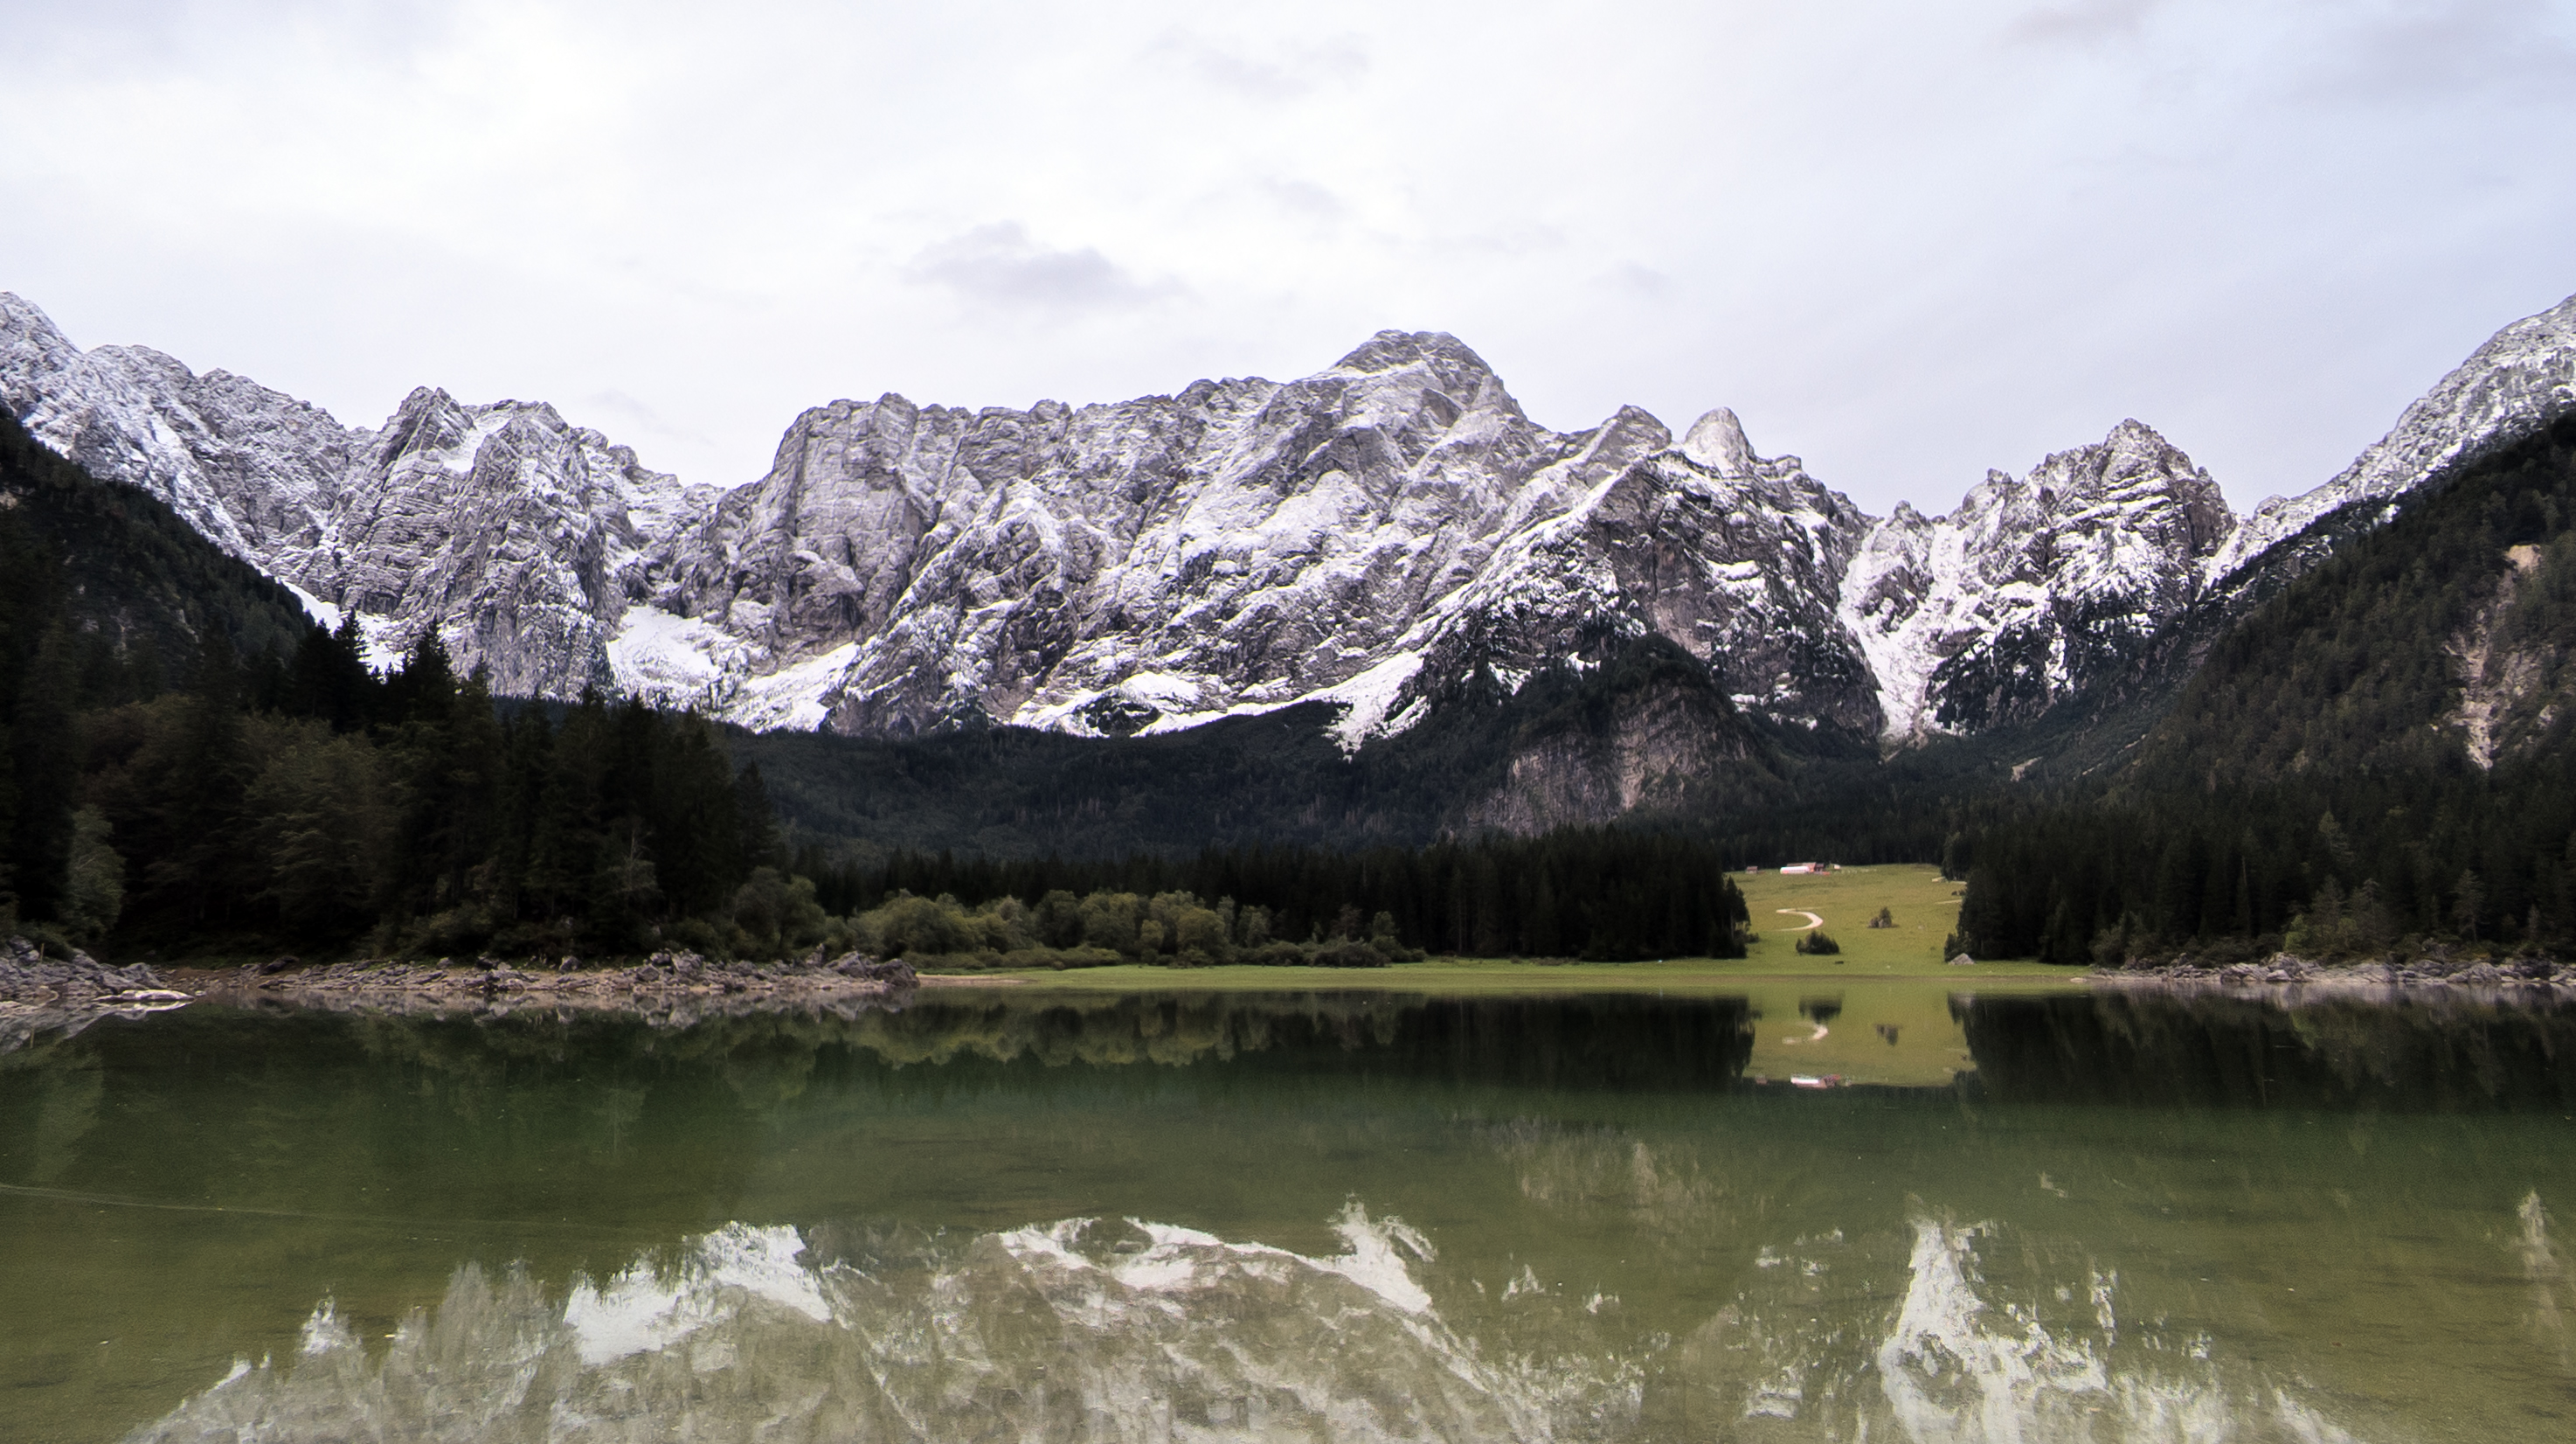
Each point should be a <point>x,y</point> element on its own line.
<point>313,805</point>
<point>194,768</point>
<point>135,580</point>
<point>2380,755</point>
<point>104,593</point>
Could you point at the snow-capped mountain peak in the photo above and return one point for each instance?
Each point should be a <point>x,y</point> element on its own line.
<point>1716,441</point>
<point>2521,379</point>
<point>2033,585</point>
<point>1370,536</point>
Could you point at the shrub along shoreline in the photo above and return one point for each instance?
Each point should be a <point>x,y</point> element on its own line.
<point>1105,929</point>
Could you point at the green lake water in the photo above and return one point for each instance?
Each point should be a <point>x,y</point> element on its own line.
<point>1010,1215</point>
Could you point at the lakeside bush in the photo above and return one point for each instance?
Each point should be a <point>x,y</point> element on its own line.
<point>1170,929</point>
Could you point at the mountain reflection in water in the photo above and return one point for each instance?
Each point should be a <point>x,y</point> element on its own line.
<point>1131,1330</point>
<point>1311,1216</point>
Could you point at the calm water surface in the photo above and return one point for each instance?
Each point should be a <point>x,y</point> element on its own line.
<point>1311,1216</point>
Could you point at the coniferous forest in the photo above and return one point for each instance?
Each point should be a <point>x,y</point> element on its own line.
<point>194,767</point>
<point>311,803</point>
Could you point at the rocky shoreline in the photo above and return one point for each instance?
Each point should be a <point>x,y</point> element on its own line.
<point>40,994</point>
<point>28,978</point>
<point>2436,972</point>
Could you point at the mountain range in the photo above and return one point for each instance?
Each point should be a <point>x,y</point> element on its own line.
<point>1388,533</point>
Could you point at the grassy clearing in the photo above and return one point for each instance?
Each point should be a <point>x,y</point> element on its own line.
<point>1925,910</point>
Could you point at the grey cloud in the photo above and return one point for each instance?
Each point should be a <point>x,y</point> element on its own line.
<point>2085,20</point>
<point>636,412</point>
<point>1285,75</point>
<point>160,32</point>
<point>1000,263</point>
<point>1644,281</point>
<point>2443,48</point>
<point>1949,237</point>
<point>1306,198</point>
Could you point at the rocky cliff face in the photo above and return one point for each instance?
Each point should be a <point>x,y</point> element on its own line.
<point>1652,734</point>
<point>1374,535</point>
<point>1366,535</point>
<point>513,533</point>
<point>1241,544</point>
<point>2034,587</point>
<point>1733,558</point>
<point>517,535</point>
<point>254,470</point>
<point>2512,669</point>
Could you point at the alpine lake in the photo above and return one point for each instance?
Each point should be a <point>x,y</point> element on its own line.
<point>1676,1208</point>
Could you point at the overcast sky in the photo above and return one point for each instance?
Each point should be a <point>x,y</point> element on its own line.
<point>1905,241</point>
